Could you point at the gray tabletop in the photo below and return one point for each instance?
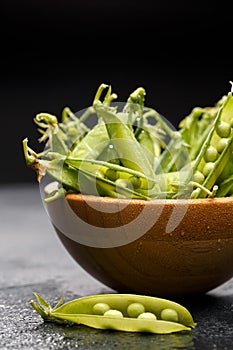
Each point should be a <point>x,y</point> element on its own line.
<point>33,259</point>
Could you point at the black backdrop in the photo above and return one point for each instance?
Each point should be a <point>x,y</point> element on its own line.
<point>56,53</point>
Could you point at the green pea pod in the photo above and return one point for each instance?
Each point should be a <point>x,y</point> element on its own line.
<point>147,143</point>
<point>217,166</point>
<point>227,170</point>
<point>95,166</point>
<point>157,136</point>
<point>196,126</point>
<point>120,302</point>
<point>64,174</point>
<point>91,183</point>
<point>175,155</point>
<point>217,169</point>
<point>224,114</point>
<point>185,145</point>
<point>129,151</point>
<point>225,188</point>
<point>121,312</point>
<point>93,144</point>
<point>124,324</point>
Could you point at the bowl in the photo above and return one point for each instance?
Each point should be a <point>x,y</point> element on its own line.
<point>167,248</point>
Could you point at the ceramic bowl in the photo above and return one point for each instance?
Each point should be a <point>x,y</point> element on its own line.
<point>165,248</point>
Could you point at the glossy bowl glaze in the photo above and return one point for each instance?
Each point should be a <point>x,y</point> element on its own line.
<point>194,256</point>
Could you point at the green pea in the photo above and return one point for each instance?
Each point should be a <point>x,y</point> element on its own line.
<point>135,181</point>
<point>100,308</point>
<point>112,174</point>
<point>198,177</point>
<point>195,193</point>
<point>223,129</point>
<point>169,315</point>
<point>147,315</point>
<point>208,167</point>
<point>135,309</point>
<point>113,313</point>
<point>222,144</point>
<point>211,154</point>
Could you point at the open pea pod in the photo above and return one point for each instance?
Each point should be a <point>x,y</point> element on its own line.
<point>219,165</point>
<point>121,312</point>
<point>130,152</point>
<point>91,183</point>
<point>212,159</point>
<point>121,302</point>
<point>195,127</point>
<point>226,188</point>
<point>107,169</point>
<point>146,141</point>
<point>125,324</point>
<point>185,145</point>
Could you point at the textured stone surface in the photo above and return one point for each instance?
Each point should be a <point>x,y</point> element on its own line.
<point>33,259</point>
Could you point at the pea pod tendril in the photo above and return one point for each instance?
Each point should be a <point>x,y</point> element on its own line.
<point>120,312</point>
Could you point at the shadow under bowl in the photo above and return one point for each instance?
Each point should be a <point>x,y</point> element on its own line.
<point>167,248</point>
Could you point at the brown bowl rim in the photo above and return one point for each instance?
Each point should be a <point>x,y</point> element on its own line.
<point>134,201</point>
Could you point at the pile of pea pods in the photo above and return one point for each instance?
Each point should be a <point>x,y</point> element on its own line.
<point>120,312</point>
<point>131,151</point>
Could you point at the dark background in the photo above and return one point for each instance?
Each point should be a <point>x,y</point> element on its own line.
<point>56,53</point>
